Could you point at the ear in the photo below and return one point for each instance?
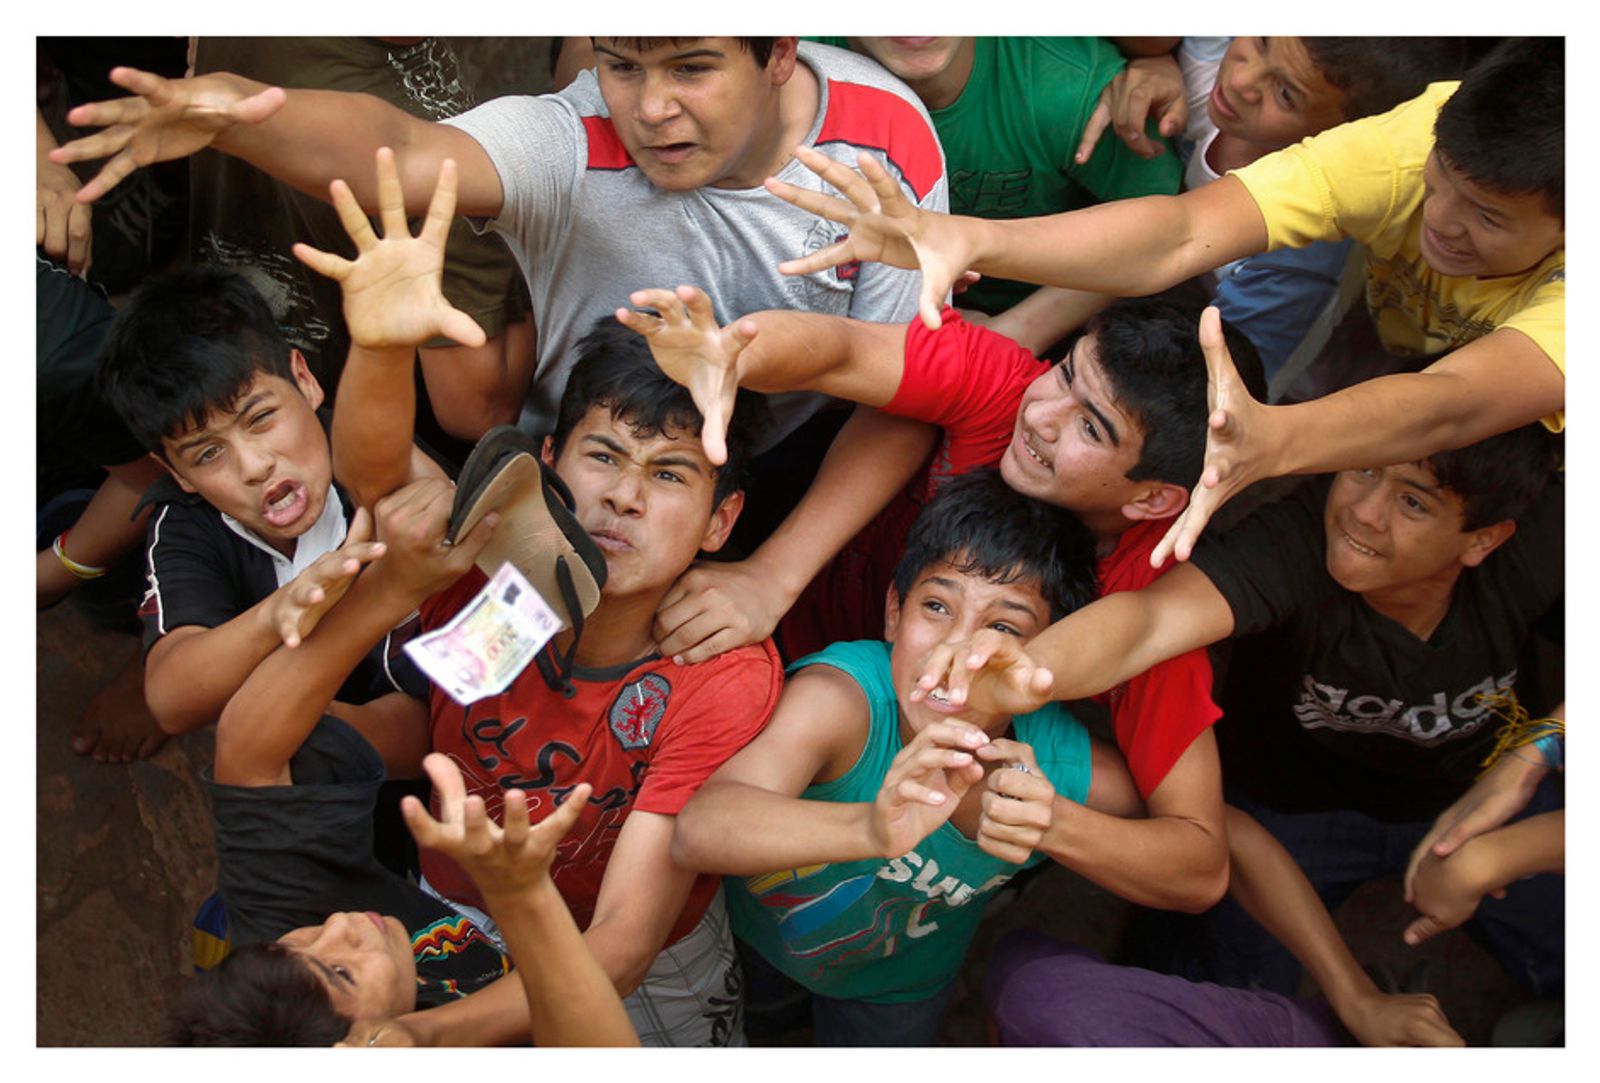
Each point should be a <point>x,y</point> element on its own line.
<point>1156,500</point>
<point>1487,540</point>
<point>183,482</point>
<point>722,520</point>
<point>891,614</point>
<point>547,452</point>
<point>785,55</point>
<point>304,379</point>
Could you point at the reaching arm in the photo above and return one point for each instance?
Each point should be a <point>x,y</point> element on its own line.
<point>106,529</point>
<point>769,351</point>
<point>566,996</point>
<point>640,898</point>
<point>1098,647</point>
<point>305,138</point>
<point>1047,315</point>
<point>472,389</point>
<point>1272,889</point>
<point>716,607</point>
<point>1128,247</point>
<point>392,304</point>
<point>1447,890</point>
<point>1491,385</point>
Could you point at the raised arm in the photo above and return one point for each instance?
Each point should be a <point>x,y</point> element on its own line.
<point>767,351</point>
<point>1491,385</point>
<point>305,138</point>
<point>569,999</point>
<point>392,304</point>
<point>1272,889</point>
<point>1098,647</point>
<point>1128,247</point>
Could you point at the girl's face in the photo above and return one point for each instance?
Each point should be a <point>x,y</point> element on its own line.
<point>1269,93</point>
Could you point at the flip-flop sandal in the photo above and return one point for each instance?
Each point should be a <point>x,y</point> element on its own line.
<point>538,532</point>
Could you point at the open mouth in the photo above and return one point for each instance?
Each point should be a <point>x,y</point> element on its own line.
<point>672,152</point>
<point>284,503</point>
<point>1221,102</point>
<point>1449,252</point>
<point>1024,443</point>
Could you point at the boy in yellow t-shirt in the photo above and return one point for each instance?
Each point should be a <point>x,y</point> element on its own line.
<point>1464,219</point>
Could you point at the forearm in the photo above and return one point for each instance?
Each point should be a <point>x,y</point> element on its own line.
<point>374,420</point>
<point>1047,315</point>
<point>1497,383</point>
<point>1166,862</point>
<point>805,351</point>
<point>1267,882</point>
<point>318,136</point>
<point>189,680</point>
<point>474,388</point>
<point>873,457</point>
<point>103,532</point>
<point>1537,844</point>
<point>1126,247</point>
<point>287,694</point>
<point>741,830</point>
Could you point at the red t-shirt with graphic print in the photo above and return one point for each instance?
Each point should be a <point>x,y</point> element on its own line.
<point>644,734</point>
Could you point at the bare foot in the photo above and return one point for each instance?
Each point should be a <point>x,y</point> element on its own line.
<point>118,727</point>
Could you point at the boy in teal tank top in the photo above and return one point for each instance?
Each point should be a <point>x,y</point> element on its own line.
<point>865,832</point>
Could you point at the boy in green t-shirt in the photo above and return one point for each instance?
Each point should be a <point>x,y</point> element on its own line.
<point>864,831</point>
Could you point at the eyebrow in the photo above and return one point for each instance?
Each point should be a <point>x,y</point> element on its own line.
<point>672,458</point>
<point>206,435</point>
<point>688,54</point>
<point>950,584</point>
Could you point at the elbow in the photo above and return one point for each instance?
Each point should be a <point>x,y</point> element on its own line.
<point>1203,888</point>
<point>688,848</point>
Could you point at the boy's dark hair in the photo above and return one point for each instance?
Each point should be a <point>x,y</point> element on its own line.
<point>187,343</point>
<point>261,994</point>
<point>1377,74</point>
<point>1149,351</point>
<point>760,49</point>
<point>1499,478</point>
<point>616,370</point>
<point>982,526</point>
<point>1505,126</point>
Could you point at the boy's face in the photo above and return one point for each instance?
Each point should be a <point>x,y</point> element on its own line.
<point>1395,527</point>
<point>1269,93</point>
<point>945,604</point>
<point>695,113</point>
<point>1072,445</point>
<point>364,960</point>
<point>915,60</point>
<point>647,501</point>
<point>265,462</point>
<point>1470,231</point>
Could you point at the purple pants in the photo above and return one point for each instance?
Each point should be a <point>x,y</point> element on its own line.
<point>1041,991</point>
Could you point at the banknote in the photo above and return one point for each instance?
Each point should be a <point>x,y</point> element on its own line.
<point>490,641</point>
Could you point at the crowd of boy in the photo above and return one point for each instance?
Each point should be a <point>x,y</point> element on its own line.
<point>880,390</point>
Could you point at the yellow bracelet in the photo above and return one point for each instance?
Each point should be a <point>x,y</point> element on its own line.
<point>82,571</point>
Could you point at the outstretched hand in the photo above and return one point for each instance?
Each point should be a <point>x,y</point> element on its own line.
<point>925,782</point>
<point>693,351</point>
<point>991,672</point>
<point>502,859</point>
<point>1147,87</point>
<point>297,606</point>
<point>1241,444</point>
<point>884,226</point>
<point>167,118</point>
<point>392,292</point>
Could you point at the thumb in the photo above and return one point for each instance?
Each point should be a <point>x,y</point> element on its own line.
<point>360,527</point>
<point>468,548</point>
<point>258,107</point>
<point>457,325</point>
<point>1421,929</point>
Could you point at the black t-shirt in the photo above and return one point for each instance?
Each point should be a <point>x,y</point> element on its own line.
<point>202,573</point>
<point>289,856</point>
<point>1329,704</point>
